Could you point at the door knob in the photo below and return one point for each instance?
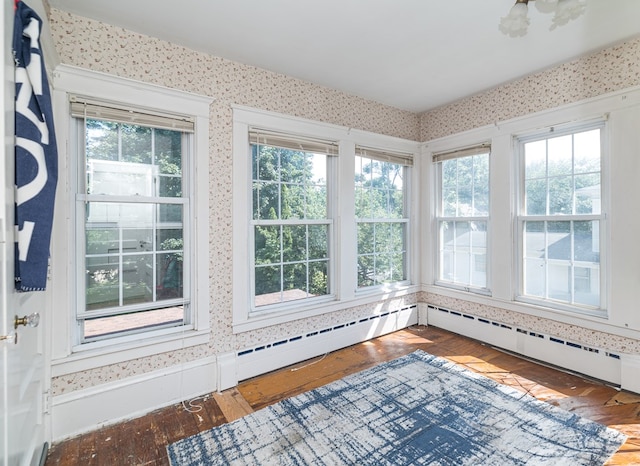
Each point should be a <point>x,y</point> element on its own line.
<point>32,320</point>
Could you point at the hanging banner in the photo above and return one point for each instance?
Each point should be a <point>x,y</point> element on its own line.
<point>36,155</point>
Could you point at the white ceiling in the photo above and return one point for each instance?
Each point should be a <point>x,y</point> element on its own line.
<point>410,54</point>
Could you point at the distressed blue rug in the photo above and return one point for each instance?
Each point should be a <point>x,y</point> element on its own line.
<point>415,410</point>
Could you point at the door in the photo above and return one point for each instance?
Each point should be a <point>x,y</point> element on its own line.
<point>22,368</point>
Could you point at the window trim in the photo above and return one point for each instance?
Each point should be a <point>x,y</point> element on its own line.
<point>67,355</point>
<point>520,217</point>
<point>345,289</point>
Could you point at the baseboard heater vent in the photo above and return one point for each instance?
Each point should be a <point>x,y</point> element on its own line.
<point>549,348</point>
<point>266,357</point>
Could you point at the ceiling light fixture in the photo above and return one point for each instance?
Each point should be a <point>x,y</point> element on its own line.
<point>515,24</point>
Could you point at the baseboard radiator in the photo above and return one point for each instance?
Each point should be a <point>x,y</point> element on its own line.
<point>261,359</point>
<point>555,350</point>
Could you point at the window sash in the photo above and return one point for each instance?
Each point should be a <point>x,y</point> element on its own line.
<point>181,304</point>
<point>570,264</point>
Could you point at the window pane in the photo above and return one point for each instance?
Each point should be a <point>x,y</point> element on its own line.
<point>588,194</point>
<point>318,242</point>
<point>102,282</point>
<point>137,279</point>
<point>560,282</point>
<point>136,143</point>
<point>535,160</point>
<point>366,270</point>
<point>294,243</point>
<point>366,239</point>
<point>169,277</point>
<point>587,151</point>
<point>295,282</point>
<point>587,285</point>
<point>535,277</point>
<point>267,244</point>
<point>449,188</point>
<point>536,197</point>
<point>534,239</point>
<point>266,199</point>
<point>316,202</point>
<point>481,185</point>
<point>120,178</point>
<point>170,186</point>
<point>293,201</point>
<point>318,278</point>
<point>559,240</point>
<point>168,151</point>
<point>363,203</point>
<point>268,284</point>
<point>561,195</point>
<point>102,140</point>
<point>560,155</point>
<point>587,241</point>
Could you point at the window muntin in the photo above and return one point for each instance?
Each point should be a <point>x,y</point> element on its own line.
<point>132,210</point>
<point>381,221</point>
<point>561,218</point>
<point>291,225</point>
<point>463,218</point>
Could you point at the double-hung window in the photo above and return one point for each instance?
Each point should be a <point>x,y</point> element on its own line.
<point>132,211</point>
<point>291,221</point>
<point>462,217</point>
<point>381,210</point>
<point>561,217</point>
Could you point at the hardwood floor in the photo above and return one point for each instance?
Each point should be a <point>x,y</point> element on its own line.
<point>142,441</point>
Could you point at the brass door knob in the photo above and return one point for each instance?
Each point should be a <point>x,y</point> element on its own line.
<point>32,320</point>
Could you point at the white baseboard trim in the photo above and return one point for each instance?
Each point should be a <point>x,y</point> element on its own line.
<point>576,357</point>
<point>265,358</point>
<point>86,410</point>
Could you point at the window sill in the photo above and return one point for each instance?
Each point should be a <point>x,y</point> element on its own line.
<point>89,356</point>
<point>262,320</point>
<point>599,322</point>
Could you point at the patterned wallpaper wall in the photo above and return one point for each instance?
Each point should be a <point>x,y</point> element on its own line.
<point>97,46</point>
<point>609,70</point>
<point>101,47</point>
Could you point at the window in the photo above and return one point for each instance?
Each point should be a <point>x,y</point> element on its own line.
<point>561,217</point>
<point>132,220</point>
<point>381,216</point>
<point>462,217</point>
<point>291,218</point>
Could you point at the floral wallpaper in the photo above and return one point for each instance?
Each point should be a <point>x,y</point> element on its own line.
<point>609,70</point>
<point>97,46</point>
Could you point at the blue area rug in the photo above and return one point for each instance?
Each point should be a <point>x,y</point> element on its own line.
<point>415,410</point>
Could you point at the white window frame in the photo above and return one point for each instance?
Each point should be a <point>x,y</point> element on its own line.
<point>328,221</point>
<point>406,163</point>
<point>341,196</point>
<point>68,354</point>
<point>521,217</point>
<point>438,158</point>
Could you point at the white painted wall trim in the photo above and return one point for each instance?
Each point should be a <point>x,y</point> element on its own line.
<point>89,409</point>
<point>555,350</point>
<point>265,358</point>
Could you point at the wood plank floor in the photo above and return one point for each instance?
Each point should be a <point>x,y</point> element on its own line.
<point>142,441</point>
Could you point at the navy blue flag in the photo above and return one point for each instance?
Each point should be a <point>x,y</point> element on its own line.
<point>36,154</point>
